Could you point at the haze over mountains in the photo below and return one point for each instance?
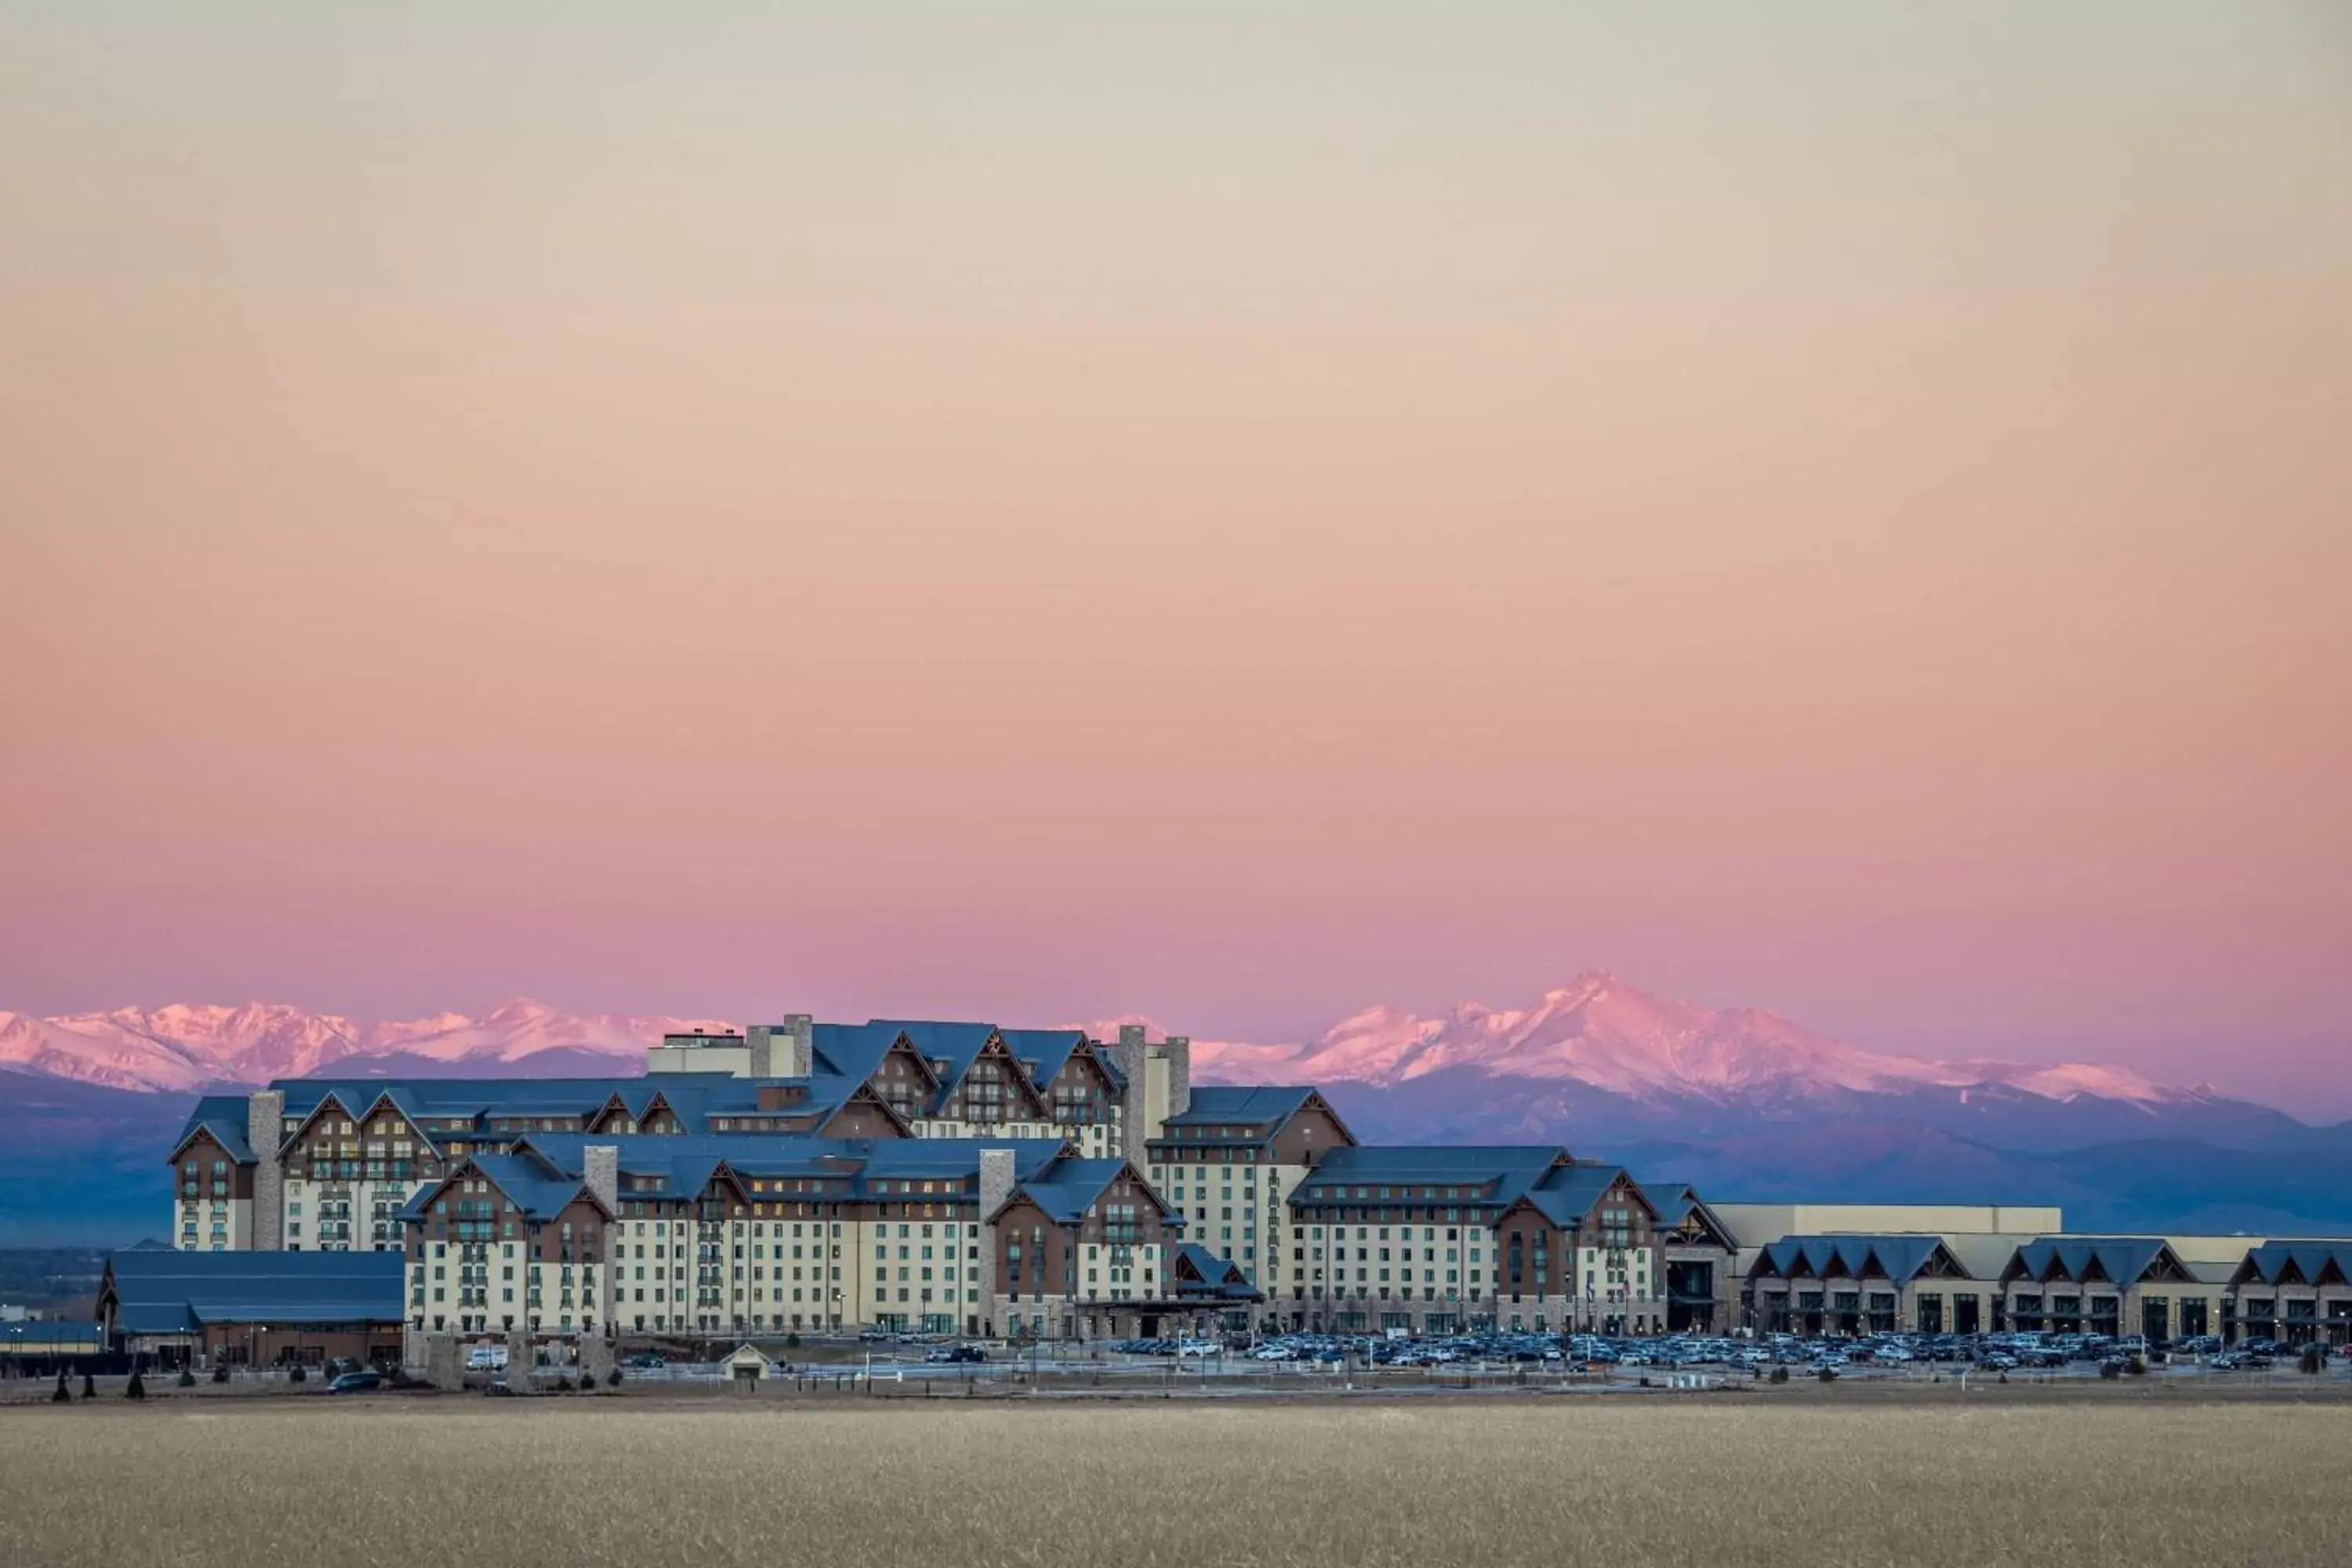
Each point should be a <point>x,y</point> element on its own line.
<point>1739,1099</point>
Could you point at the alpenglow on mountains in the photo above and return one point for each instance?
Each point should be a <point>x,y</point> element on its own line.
<point>1740,1102</point>
<point>1598,1034</point>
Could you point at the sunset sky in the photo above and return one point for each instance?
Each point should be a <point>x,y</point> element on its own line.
<point>1230,513</point>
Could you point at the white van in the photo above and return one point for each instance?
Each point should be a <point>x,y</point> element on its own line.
<point>486,1358</point>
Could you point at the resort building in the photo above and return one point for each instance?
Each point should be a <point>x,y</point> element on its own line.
<point>327,1164</point>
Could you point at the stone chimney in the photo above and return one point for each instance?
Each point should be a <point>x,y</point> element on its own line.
<point>798,1059</point>
<point>1128,1056</point>
<point>265,1128</point>
<point>1178,1051</point>
<point>599,1170</point>
<point>758,1044</point>
<point>996,1185</point>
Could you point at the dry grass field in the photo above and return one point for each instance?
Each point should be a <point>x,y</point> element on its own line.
<point>1622,1483</point>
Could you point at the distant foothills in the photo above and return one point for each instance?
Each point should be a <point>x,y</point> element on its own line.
<point>1742,1103</point>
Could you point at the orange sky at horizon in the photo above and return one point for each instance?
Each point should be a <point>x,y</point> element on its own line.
<point>1231,515</point>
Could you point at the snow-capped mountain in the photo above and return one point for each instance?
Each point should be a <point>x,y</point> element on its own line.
<point>1595,1042</point>
<point>1606,1035</point>
<point>182,1047</point>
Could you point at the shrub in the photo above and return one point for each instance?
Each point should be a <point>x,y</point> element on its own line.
<point>64,1396</point>
<point>136,1387</point>
<point>2137,1366</point>
<point>1826,1373</point>
<point>1780,1375</point>
<point>2313,1361</point>
<point>187,1378</point>
<point>298,1373</point>
<point>2111,1370</point>
<point>612,1378</point>
<point>220,1371</point>
<point>88,1386</point>
<point>792,1341</point>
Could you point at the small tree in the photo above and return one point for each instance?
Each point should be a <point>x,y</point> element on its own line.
<point>2111,1370</point>
<point>220,1371</point>
<point>64,1396</point>
<point>1780,1375</point>
<point>2313,1361</point>
<point>137,1388</point>
<point>187,1377</point>
<point>88,1385</point>
<point>612,1378</point>
<point>792,1341</point>
<point>297,1373</point>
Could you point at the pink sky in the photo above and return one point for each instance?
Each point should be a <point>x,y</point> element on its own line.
<point>1836,508</point>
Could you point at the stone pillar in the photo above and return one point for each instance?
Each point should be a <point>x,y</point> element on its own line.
<point>996,1189</point>
<point>442,1368</point>
<point>1179,1052</point>
<point>595,1360</point>
<point>798,1058</point>
<point>522,1375</point>
<point>1135,1103</point>
<point>600,1171</point>
<point>265,1118</point>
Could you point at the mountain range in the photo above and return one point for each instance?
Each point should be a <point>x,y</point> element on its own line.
<point>1741,1101</point>
<point>188,1047</point>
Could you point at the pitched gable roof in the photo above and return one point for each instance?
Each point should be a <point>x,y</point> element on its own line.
<point>1898,1257</point>
<point>2314,1262</point>
<point>173,1293</point>
<point>538,1189</point>
<point>2120,1261</point>
<point>1066,1188</point>
<point>223,1117</point>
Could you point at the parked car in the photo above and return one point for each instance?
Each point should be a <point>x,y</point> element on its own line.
<point>645,1361</point>
<point>360,1382</point>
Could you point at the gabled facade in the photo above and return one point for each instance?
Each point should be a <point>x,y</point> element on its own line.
<point>1442,1239</point>
<point>2111,1285</point>
<point>2296,1292</point>
<point>1696,1255</point>
<point>327,1164</point>
<point>506,1243</point>
<point>1854,1284</point>
<point>1229,1162</point>
<point>1082,1251</point>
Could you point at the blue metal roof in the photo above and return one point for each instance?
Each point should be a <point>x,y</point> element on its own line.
<point>1218,1104</point>
<point>687,1163</point>
<point>1218,1276</point>
<point>2121,1260</point>
<point>1065,1189</point>
<point>1898,1257</point>
<point>177,1292</point>
<point>2274,1261</point>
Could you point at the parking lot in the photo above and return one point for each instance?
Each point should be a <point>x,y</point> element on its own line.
<point>1304,1363</point>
